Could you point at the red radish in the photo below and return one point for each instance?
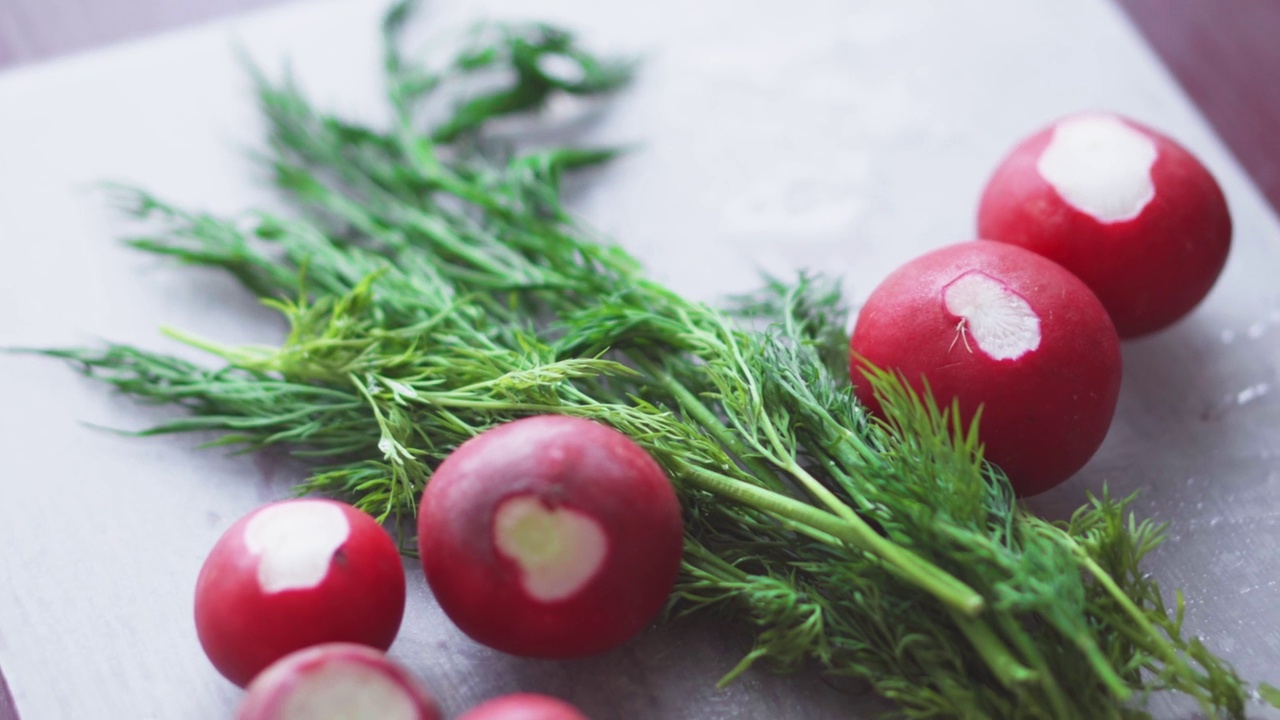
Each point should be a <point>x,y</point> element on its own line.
<point>1128,210</point>
<point>294,574</point>
<point>550,536</point>
<point>1000,327</point>
<point>524,706</point>
<point>337,681</point>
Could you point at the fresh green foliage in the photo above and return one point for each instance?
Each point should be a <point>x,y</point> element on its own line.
<point>435,286</point>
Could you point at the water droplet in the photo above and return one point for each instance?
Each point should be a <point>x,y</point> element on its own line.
<point>1227,337</point>
<point>1256,330</point>
<point>561,68</point>
<point>1252,393</point>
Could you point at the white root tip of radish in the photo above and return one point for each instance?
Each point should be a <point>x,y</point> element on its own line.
<point>1100,166</point>
<point>999,321</point>
<point>295,543</point>
<point>342,691</point>
<point>559,550</point>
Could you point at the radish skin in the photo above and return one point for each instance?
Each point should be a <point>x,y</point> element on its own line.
<point>996,326</point>
<point>1125,208</point>
<point>294,574</point>
<point>524,706</point>
<point>550,536</point>
<point>337,681</point>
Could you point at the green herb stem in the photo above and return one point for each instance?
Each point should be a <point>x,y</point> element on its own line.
<point>700,413</point>
<point>951,592</point>
<point>998,657</point>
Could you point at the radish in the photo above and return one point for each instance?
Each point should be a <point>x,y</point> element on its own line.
<point>550,536</point>
<point>336,681</point>
<point>294,574</point>
<point>996,326</point>
<point>524,706</point>
<point>1128,210</point>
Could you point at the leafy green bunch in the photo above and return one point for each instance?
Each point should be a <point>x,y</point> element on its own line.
<point>435,286</point>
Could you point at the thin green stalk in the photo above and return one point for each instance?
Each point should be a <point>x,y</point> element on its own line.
<point>1022,643</point>
<point>950,591</point>
<point>696,409</point>
<point>821,493</point>
<point>1002,662</point>
<point>1150,634</point>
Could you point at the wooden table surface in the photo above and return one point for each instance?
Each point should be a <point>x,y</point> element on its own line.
<point>1224,56</point>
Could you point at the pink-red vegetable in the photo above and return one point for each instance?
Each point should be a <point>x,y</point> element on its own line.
<point>550,536</point>
<point>1131,212</point>
<point>524,706</point>
<point>337,681</point>
<point>294,574</point>
<point>996,326</point>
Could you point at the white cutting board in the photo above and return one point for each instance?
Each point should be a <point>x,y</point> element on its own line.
<point>828,134</point>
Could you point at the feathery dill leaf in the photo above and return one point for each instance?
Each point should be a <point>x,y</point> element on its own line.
<point>435,286</point>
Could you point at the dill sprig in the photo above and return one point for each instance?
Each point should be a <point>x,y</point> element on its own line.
<point>435,286</point>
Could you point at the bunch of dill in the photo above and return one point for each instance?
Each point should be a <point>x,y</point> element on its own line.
<point>435,287</point>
